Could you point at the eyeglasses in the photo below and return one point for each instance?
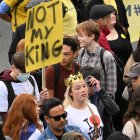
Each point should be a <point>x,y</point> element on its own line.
<point>58,117</point>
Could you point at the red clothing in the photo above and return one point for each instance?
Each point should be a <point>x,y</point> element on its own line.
<point>102,39</point>
<point>5,76</point>
<point>60,88</point>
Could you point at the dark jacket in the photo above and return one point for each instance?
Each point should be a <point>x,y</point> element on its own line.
<point>48,134</point>
<point>19,34</point>
<point>106,107</point>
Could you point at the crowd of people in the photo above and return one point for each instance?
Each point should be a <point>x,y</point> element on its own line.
<point>92,94</point>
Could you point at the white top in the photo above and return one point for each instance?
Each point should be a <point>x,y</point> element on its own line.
<point>83,120</point>
<point>128,130</point>
<point>21,87</point>
<point>35,135</point>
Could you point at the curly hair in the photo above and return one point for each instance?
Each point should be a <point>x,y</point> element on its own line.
<point>21,113</point>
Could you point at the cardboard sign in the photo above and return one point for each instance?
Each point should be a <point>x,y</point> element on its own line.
<point>44,35</point>
<point>133,14</point>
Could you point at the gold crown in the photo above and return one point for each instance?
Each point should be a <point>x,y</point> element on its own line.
<point>72,78</point>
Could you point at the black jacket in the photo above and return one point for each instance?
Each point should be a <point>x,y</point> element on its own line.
<point>18,35</point>
<point>106,107</point>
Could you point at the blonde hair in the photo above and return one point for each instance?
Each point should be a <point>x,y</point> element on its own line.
<point>68,98</point>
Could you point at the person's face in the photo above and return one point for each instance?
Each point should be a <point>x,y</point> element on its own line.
<point>104,22</point>
<point>112,19</point>
<point>135,82</point>
<point>79,91</point>
<point>84,40</point>
<point>68,56</point>
<point>56,126</point>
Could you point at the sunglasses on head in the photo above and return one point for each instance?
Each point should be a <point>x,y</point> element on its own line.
<point>58,117</point>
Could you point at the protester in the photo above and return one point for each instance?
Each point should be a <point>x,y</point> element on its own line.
<point>17,10</point>
<point>119,6</point>
<point>132,117</point>
<point>117,37</point>
<point>90,55</point>
<point>101,15</point>
<point>76,104</point>
<point>58,72</point>
<point>16,81</point>
<point>69,23</point>
<point>134,58</point>
<point>55,116</point>
<point>22,119</point>
<point>104,102</point>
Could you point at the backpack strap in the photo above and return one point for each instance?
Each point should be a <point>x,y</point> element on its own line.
<point>11,94</point>
<point>82,54</point>
<point>33,83</point>
<point>15,7</point>
<point>134,127</point>
<point>102,61</point>
<point>56,73</point>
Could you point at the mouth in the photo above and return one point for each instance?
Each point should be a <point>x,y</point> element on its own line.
<point>84,95</point>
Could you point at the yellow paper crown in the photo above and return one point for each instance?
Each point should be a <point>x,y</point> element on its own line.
<point>72,78</point>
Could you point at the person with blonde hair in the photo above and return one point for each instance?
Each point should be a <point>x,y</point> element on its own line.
<point>22,119</point>
<point>81,112</point>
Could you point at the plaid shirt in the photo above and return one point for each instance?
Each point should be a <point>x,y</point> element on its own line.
<point>109,84</point>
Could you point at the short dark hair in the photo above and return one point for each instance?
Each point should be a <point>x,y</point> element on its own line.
<point>87,70</point>
<point>18,60</point>
<point>71,42</point>
<point>49,104</point>
<point>118,135</point>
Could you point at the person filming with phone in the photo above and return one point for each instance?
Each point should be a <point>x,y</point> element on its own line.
<point>103,101</point>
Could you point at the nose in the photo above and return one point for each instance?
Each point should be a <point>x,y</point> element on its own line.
<point>78,37</point>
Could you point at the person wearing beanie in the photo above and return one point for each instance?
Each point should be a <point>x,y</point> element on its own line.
<point>101,15</point>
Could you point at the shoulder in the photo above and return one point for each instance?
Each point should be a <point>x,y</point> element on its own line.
<point>3,87</point>
<point>108,55</point>
<point>128,127</point>
<point>50,69</point>
<point>11,3</point>
<point>81,51</point>
<point>70,128</point>
<point>92,106</point>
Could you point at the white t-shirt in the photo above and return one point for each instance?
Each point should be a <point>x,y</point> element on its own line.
<point>21,87</point>
<point>83,120</point>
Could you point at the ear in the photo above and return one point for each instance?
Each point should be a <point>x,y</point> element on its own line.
<point>75,53</point>
<point>47,119</point>
<point>92,36</point>
<point>71,94</point>
<point>13,67</point>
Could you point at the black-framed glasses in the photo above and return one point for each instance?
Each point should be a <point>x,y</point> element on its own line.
<point>58,117</point>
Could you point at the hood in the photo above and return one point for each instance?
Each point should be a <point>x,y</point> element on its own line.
<point>5,76</point>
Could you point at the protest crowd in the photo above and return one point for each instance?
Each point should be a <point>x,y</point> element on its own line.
<point>89,89</point>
